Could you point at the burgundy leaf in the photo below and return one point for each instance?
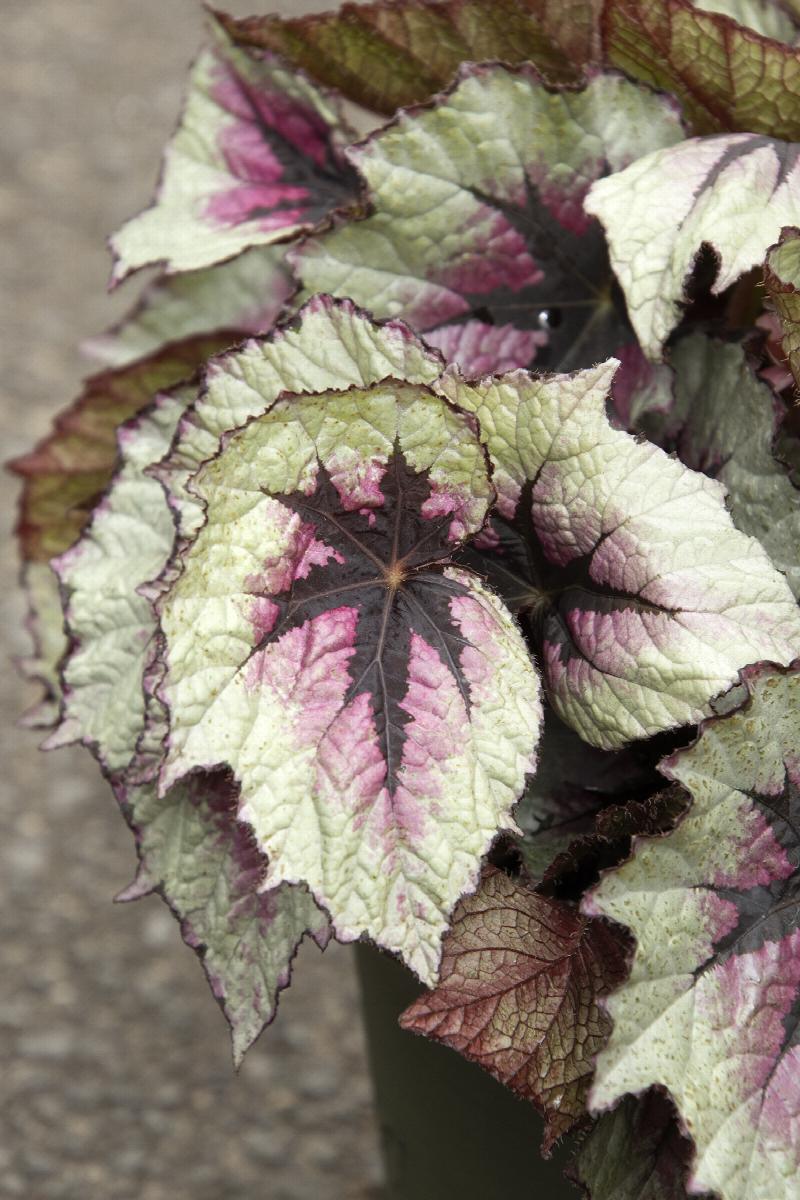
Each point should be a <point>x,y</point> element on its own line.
<point>520,982</point>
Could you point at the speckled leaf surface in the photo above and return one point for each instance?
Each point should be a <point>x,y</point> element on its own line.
<point>644,600</point>
<point>477,234</point>
<point>330,345</point>
<point>635,1152</point>
<point>733,193</point>
<point>377,705</point>
<point>387,55</point>
<point>243,296</point>
<point>518,993</point>
<point>728,425</point>
<point>66,473</point>
<point>256,158</point>
<point>728,77</point>
<point>710,1009</point>
<point>205,864</point>
<point>782,281</point>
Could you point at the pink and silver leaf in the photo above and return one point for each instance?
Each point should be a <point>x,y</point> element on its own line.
<point>476,232</point>
<point>257,158</point>
<point>732,193</point>
<point>206,866</point>
<point>376,704</point>
<point>710,1011</point>
<point>642,599</point>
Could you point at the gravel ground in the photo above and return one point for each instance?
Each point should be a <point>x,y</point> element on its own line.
<point>116,1074</point>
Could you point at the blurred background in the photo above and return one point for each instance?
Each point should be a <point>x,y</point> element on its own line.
<point>116,1080</point>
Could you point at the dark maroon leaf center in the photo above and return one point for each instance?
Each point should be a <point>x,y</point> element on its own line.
<point>548,598</point>
<point>281,151</point>
<point>576,302</point>
<point>388,563</point>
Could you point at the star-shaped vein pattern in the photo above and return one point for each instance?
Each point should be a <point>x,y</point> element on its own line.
<point>322,645</point>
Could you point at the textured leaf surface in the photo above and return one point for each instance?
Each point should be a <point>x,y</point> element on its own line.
<point>644,599</point>
<point>710,1009</point>
<point>782,280</point>
<point>256,158</point>
<point>733,193</point>
<point>329,346</point>
<point>477,235</point>
<point>728,426</point>
<point>242,296</point>
<point>69,469</point>
<point>388,55</point>
<point>377,706</point>
<point>518,993</point>
<point>635,1152</point>
<point>192,849</point>
<point>727,77</point>
<point>208,869</point>
<point>111,624</point>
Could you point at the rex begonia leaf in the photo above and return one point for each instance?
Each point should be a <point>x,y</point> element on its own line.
<point>205,864</point>
<point>257,157</point>
<point>767,17</point>
<point>635,1152</point>
<point>476,233</point>
<point>733,193</point>
<point>727,428</point>
<point>388,55</point>
<point>110,623</point>
<point>645,601</point>
<point>728,77</point>
<point>518,993</point>
<point>710,1009</point>
<point>66,473</point>
<point>782,281</point>
<point>192,850</point>
<point>377,705</point>
<point>242,296</point>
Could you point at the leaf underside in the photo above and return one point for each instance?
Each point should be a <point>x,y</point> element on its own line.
<point>518,993</point>
<point>67,472</point>
<point>728,77</point>
<point>387,56</point>
<point>635,1152</point>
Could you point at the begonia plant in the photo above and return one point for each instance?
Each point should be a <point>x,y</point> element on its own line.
<point>422,566</point>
